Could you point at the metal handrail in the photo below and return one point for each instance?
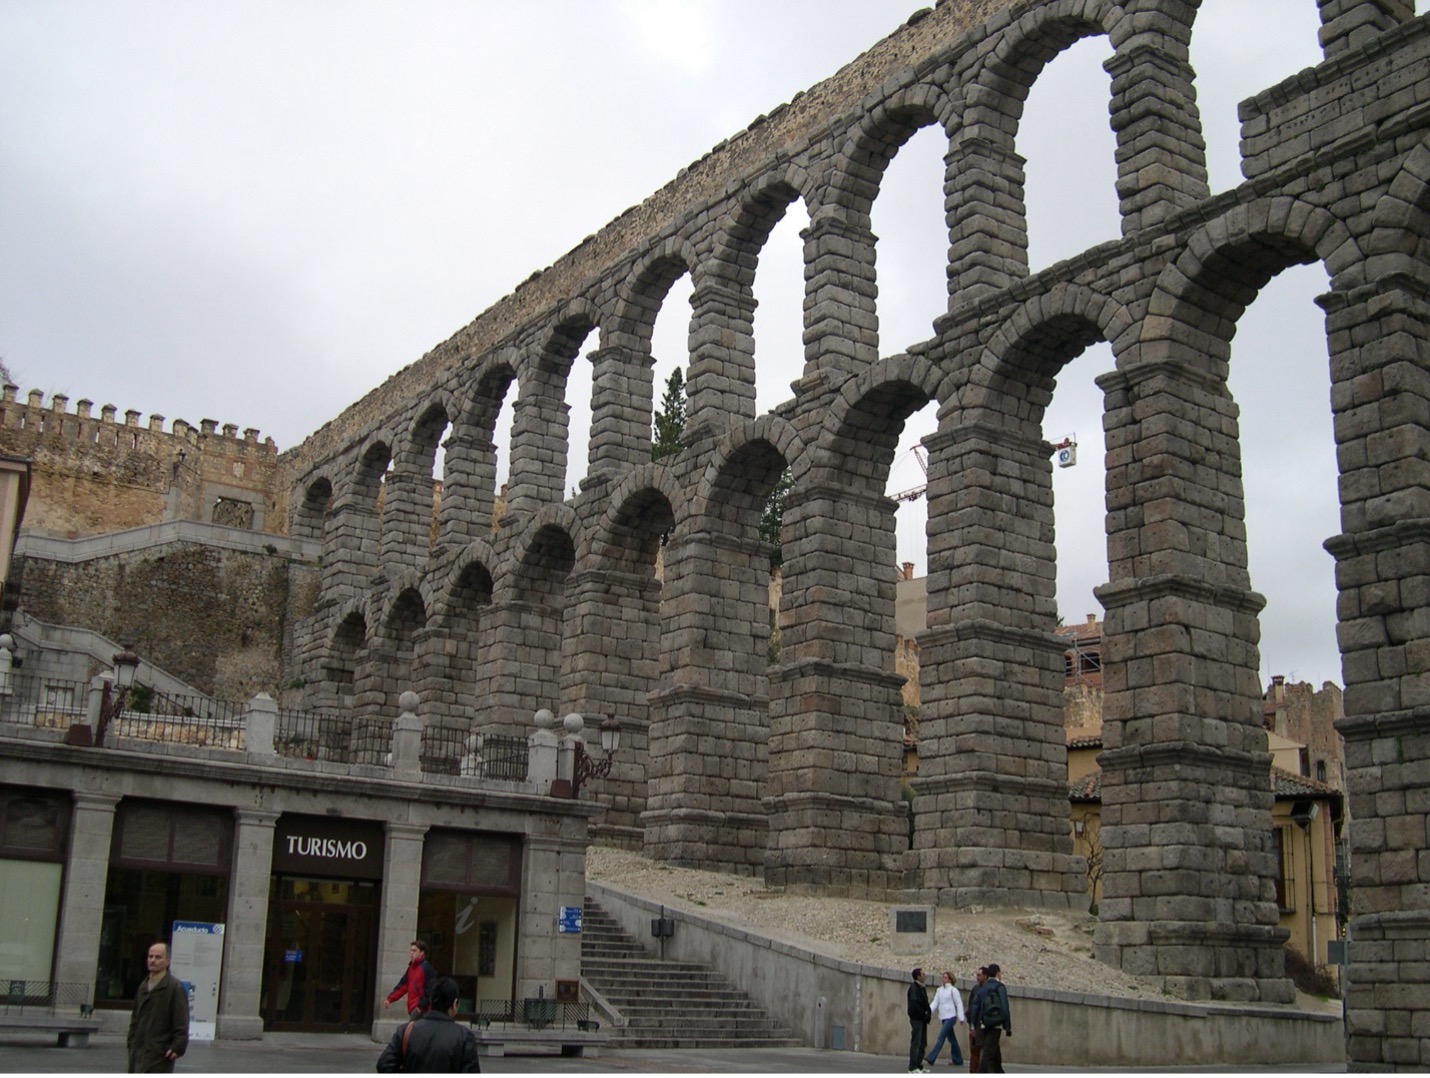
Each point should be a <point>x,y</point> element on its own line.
<point>26,996</point>
<point>535,1013</point>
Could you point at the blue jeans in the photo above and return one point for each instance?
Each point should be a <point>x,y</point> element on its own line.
<point>946,1033</point>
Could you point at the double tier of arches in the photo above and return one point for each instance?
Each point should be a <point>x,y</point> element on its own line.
<point>645,593</point>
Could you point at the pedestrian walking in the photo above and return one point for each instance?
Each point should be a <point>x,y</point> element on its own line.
<point>416,984</point>
<point>948,1009</point>
<point>159,1025</point>
<point>919,1014</point>
<point>433,1043</point>
<point>994,1020</point>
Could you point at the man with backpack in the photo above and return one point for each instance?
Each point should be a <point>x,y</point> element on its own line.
<point>988,1013</point>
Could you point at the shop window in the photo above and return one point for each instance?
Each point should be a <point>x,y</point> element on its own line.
<point>467,913</point>
<point>34,825</point>
<point>168,862</point>
<point>140,907</point>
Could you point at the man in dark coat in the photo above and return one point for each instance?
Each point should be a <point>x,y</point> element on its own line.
<point>919,1014</point>
<point>433,1043</point>
<point>159,1026</point>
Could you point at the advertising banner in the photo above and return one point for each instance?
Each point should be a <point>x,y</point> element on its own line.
<point>196,958</point>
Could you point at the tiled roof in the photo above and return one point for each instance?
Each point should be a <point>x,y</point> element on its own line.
<point>1289,784</point>
<point>1088,788</point>
<point>1080,630</point>
<point>1085,741</point>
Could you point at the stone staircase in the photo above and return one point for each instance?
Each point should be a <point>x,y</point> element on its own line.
<point>669,1004</point>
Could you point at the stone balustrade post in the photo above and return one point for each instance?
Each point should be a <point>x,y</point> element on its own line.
<point>407,737</point>
<point>541,768</point>
<point>261,720</point>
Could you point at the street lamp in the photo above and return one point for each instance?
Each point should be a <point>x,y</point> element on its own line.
<point>585,766</point>
<point>126,663</point>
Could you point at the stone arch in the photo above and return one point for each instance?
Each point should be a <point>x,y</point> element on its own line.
<point>650,489</point>
<point>721,388</point>
<point>420,438</point>
<point>772,430</point>
<point>545,556</point>
<point>714,673</point>
<point>640,295</point>
<point>410,506</point>
<point>836,712</point>
<point>853,185</point>
<point>623,381</point>
<point>458,588</point>
<point>991,601</point>
<point>860,433</point>
<point>353,614</point>
<point>369,469</point>
<point>541,446</point>
<point>1399,240</point>
<point>610,653</point>
<point>1223,267</point>
<point>469,489</point>
<point>516,651</point>
<point>403,609</point>
<point>313,502</point>
<point>1015,371</point>
<point>987,222</point>
<point>1180,595</point>
<point>842,321</point>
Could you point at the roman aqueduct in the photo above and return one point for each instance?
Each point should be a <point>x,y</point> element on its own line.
<point>792,769</point>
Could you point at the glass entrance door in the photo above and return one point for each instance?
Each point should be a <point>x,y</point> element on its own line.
<point>319,968</point>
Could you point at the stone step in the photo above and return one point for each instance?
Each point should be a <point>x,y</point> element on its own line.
<point>669,1004</point>
<point>677,1002</point>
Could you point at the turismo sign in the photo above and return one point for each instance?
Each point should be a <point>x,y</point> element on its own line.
<point>327,846</point>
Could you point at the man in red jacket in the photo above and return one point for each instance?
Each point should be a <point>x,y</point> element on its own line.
<point>416,984</point>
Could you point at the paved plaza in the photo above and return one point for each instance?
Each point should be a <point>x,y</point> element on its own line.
<point>353,1054</point>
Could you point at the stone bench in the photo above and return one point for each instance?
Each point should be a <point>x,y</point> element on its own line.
<point>71,1030</point>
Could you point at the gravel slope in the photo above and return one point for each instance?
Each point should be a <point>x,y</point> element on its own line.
<point>1034,947</point>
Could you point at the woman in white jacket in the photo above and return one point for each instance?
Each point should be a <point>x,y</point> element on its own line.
<point>948,1007</point>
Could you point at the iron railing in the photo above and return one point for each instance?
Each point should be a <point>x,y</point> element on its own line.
<point>43,702</point>
<point>44,997</point>
<point>448,750</point>
<point>535,1013</point>
<point>314,735</point>
<point>332,736</point>
<point>171,718</point>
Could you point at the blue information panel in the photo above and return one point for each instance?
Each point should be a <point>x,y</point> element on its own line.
<point>570,919</point>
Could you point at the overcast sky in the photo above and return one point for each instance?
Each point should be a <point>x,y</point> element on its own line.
<point>255,212</point>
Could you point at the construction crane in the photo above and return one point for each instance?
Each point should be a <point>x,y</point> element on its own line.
<point>1065,453</point>
<point>913,494</point>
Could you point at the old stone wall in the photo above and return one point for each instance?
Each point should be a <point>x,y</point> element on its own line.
<point>93,474</point>
<point>213,617</point>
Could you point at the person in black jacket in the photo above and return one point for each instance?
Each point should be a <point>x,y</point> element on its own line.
<point>994,1021</point>
<point>919,1014</point>
<point>433,1043</point>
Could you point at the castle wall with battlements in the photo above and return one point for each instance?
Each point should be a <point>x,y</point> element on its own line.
<point>96,473</point>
